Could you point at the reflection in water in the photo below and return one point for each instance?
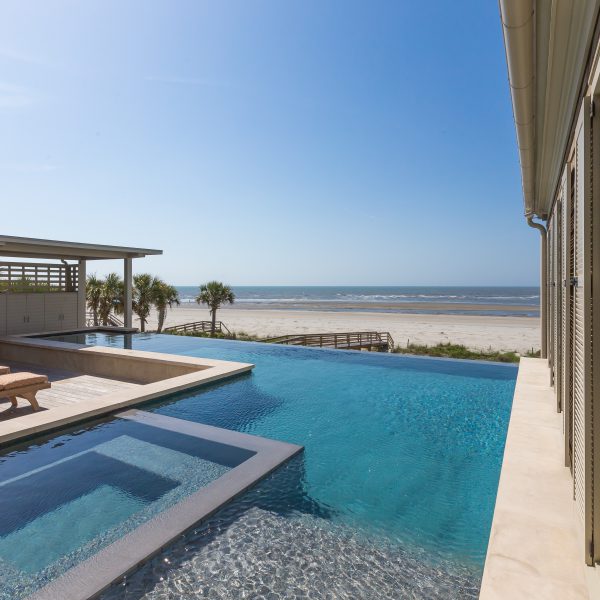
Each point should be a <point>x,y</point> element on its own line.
<point>273,542</point>
<point>234,404</point>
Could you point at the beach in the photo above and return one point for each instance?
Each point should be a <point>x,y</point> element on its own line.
<point>476,331</point>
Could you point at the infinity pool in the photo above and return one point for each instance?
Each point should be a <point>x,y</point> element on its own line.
<point>393,497</point>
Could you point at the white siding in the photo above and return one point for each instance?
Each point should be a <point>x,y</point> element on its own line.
<point>69,311</point>
<point>31,313</point>
<point>60,311</point>
<point>35,312</point>
<point>16,313</point>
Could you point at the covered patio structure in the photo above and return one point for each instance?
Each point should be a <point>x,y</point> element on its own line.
<point>48,296</point>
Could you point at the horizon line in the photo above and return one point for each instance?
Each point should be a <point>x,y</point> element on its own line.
<point>365,285</point>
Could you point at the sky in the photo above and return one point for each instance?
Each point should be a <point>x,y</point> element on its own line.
<point>267,142</point>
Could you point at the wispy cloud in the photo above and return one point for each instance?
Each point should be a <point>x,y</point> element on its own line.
<point>12,55</point>
<point>28,167</point>
<point>14,96</point>
<point>197,81</point>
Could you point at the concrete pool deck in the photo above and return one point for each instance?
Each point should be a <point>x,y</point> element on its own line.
<point>68,387</point>
<point>535,548</point>
<point>101,380</point>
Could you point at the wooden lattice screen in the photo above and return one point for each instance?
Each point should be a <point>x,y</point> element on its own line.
<point>38,277</point>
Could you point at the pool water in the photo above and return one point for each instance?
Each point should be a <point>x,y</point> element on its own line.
<point>64,498</point>
<point>393,497</point>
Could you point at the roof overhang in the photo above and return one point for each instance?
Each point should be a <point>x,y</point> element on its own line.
<point>54,249</point>
<point>547,45</point>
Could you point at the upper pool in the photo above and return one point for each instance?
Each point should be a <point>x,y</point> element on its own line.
<point>393,497</point>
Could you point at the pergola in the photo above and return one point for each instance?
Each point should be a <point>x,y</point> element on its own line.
<point>32,248</point>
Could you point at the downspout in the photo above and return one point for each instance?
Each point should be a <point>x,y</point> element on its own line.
<point>543,284</point>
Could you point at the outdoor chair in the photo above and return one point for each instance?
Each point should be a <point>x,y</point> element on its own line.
<point>22,385</point>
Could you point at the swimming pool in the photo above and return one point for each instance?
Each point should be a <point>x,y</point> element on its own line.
<point>393,496</point>
<point>102,497</point>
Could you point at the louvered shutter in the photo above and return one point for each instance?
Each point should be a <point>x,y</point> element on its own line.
<point>581,365</point>
<point>550,296</point>
<point>567,309</point>
<point>558,354</point>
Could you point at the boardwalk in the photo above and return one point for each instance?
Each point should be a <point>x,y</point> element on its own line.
<point>199,327</point>
<point>373,341</point>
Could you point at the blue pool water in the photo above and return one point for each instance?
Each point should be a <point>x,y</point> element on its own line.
<point>65,497</point>
<point>401,466</point>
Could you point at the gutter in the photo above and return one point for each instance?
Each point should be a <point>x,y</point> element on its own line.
<point>543,284</point>
<point>518,28</point>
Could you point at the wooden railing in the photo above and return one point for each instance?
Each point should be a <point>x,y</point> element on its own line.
<point>356,340</point>
<point>113,321</point>
<point>38,277</point>
<point>198,326</point>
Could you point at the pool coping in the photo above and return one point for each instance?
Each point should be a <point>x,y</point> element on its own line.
<point>188,373</point>
<point>90,578</point>
<point>92,329</point>
<point>535,548</point>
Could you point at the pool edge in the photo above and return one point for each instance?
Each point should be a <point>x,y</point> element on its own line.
<point>93,576</point>
<point>534,546</point>
<point>187,373</point>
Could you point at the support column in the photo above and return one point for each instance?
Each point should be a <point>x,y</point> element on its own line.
<point>81,295</point>
<point>128,280</point>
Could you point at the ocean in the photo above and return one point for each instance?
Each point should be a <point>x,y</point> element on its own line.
<point>502,301</point>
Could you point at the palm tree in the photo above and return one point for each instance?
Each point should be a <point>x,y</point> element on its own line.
<point>165,296</point>
<point>215,294</point>
<point>93,291</point>
<point>111,297</point>
<point>144,290</point>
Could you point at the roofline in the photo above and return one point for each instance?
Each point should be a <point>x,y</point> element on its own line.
<point>518,29</point>
<point>548,59</point>
<point>40,248</point>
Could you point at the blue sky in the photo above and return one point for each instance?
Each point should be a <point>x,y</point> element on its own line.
<point>267,142</point>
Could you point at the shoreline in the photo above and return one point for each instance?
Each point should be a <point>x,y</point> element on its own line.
<point>375,307</point>
<point>478,332</point>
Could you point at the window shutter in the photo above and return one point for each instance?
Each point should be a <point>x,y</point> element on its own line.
<point>581,323</point>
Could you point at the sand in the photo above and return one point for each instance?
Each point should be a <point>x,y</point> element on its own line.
<point>476,332</point>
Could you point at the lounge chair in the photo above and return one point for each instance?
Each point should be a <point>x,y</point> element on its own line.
<point>22,385</point>
<point>4,370</point>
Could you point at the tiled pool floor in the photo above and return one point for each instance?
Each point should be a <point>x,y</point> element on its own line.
<point>249,551</point>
